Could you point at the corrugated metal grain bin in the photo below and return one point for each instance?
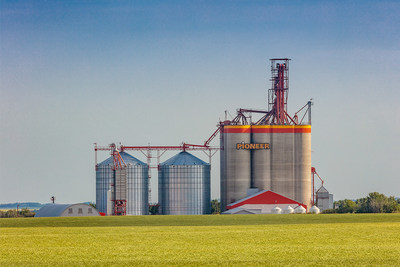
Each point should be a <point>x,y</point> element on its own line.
<point>184,185</point>
<point>137,187</point>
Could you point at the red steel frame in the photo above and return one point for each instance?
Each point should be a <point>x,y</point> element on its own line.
<point>120,207</point>
<point>277,100</point>
<point>184,147</point>
<point>118,163</point>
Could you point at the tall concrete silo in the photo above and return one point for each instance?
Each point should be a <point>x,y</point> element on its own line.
<point>235,163</point>
<point>130,183</point>
<point>285,167</point>
<point>184,185</point>
<point>262,159</point>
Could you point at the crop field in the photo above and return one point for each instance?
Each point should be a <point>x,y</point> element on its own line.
<point>216,240</point>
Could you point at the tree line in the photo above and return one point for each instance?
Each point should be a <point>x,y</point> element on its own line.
<point>14,213</point>
<point>372,203</point>
<point>154,209</point>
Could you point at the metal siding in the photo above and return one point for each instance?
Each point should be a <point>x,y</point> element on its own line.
<point>104,179</point>
<point>62,210</point>
<point>324,200</point>
<point>75,211</point>
<point>138,190</point>
<point>51,210</point>
<point>184,189</point>
<point>137,185</point>
<point>120,185</point>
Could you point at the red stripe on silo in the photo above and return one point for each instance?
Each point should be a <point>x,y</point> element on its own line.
<point>268,129</point>
<point>237,130</point>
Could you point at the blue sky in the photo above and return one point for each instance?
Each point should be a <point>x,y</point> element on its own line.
<point>163,72</point>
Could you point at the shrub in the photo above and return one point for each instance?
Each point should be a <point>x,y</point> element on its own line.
<point>215,207</point>
<point>329,211</point>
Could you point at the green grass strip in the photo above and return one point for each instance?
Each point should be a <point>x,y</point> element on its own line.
<point>198,220</point>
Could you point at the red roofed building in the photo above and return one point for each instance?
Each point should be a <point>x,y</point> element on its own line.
<point>262,203</point>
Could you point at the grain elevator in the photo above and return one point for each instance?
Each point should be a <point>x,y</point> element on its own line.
<point>272,153</point>
<point>265,158</point>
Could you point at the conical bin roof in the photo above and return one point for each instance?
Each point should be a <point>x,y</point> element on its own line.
<point>184,158</point>
<point>127,159</point>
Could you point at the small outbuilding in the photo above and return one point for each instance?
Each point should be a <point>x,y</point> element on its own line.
<point>67,210</point>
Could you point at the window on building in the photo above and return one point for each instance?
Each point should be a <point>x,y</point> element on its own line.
<point>80,211</point>
<point>70,211</point>
<point>90,210</point>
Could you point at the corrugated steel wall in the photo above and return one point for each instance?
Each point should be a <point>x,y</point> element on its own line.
<point>138,190</point>
<point>104,179</point>
<point>184,189</point>
<point>136,182</point>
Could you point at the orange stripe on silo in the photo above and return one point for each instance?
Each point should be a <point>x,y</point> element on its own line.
<point>267,129</point>
<point>237,129</point>
<point>281,129</point>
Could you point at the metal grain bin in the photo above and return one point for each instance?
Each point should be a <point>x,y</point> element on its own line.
<point>184,185</point>
<point>137,189</point>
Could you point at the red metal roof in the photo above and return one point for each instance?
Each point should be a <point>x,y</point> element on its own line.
<point>264,197</point>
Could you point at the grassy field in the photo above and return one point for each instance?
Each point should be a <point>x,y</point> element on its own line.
<point>239,240</point>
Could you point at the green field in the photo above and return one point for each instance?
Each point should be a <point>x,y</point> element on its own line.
<point>219,240</point>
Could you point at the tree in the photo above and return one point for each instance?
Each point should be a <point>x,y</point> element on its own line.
<point>378,203</point>
<point>391,205</point>
<point>26,213</point>
<point>154,209</point>
<point>215,206</point>
<point>363,206</point>
<point>9,214</point>
<point>346,206</point>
